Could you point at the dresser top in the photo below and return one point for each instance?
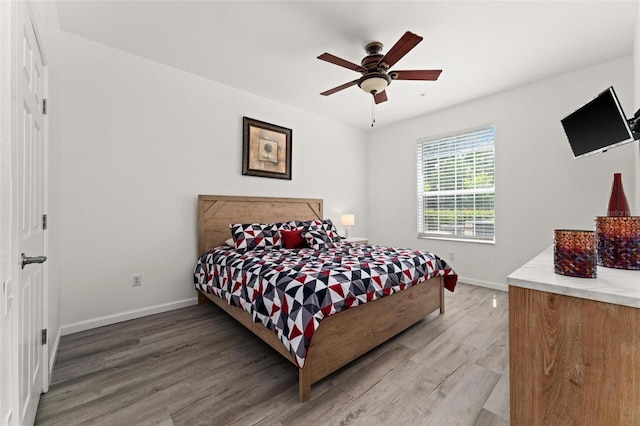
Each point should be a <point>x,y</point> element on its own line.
<point>617,286</point>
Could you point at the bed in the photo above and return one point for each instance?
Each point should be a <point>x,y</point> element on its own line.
<point>340,337</point>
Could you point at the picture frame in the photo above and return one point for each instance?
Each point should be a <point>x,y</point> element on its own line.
<point>266,149</point>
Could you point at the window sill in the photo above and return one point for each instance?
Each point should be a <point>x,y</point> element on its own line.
<point>464,240</point>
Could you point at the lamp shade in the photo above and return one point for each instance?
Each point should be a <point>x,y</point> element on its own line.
<point>374,82</point>
<point>347,219</point>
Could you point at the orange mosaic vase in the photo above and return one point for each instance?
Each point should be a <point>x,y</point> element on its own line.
<point>574,253</point>
<point>618,241</point>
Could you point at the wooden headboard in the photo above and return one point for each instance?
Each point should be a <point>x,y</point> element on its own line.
<point>216,212</point>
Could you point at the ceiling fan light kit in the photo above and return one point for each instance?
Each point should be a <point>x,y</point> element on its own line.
<point>374,68</point>
<point>374,82</point>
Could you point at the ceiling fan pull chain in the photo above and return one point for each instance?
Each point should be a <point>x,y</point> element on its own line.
<point>373,111</point>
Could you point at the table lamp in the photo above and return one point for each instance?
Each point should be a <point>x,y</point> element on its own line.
<point>347,220</point>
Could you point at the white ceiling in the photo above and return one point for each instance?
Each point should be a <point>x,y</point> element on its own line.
<point>269,48</point>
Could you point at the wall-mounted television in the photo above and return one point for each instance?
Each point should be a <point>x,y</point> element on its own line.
<point>597,126</point>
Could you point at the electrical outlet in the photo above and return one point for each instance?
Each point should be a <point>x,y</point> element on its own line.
<point>136,280</point>
<point>452,256</point>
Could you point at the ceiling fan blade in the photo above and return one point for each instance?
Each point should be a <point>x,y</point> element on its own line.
<point>407,42</point>
<point>341,62</point>
<point>380,97</point>
<point>339,88</point>
<point>415,75</point>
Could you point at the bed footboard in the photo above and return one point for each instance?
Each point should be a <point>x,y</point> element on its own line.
<point>345,336</point>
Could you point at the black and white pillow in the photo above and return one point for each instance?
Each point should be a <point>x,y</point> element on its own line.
<point>249,236</point>
<point>319,238</point>
<point>328,225</point>
<point>324,225</point>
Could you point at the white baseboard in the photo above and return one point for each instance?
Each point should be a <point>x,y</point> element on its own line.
<point>54,353</point>
<point>125,316</point>
<point>487,284</point>
<point>143,312</point>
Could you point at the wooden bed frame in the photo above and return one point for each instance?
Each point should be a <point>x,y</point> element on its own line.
<point>340,338</point>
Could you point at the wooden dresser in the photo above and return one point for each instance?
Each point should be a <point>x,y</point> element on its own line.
<point>574,346</point>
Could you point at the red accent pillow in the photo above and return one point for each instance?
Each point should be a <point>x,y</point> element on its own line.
<point>292,239</point>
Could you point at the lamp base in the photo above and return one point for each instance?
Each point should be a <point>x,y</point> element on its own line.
<point>347,231</point>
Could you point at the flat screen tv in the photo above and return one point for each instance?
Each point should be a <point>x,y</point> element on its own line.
<point>597,126</point>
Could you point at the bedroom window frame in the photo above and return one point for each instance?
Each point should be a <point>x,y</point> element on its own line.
<point>468,195</point>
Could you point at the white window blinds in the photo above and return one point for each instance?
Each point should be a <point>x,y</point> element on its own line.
<point>456,186</point>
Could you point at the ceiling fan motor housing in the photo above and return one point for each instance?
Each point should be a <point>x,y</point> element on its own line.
<point>372,61</point>
<point>375,80</point>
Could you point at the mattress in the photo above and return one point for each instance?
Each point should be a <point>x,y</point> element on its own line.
<point>290,291</point>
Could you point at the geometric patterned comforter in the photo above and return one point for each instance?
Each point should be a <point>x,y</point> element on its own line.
<point>291,290</point>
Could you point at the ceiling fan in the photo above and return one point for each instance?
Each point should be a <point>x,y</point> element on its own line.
<point>375,67</point>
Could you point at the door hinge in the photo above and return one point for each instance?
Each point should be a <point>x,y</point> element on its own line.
<point>44,221</point>
<point>44,106</point>
<point>44,336</point>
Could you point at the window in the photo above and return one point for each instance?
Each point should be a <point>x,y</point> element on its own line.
<point>456,186</point>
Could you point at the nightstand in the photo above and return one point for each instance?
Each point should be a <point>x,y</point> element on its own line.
<point>357,240</point>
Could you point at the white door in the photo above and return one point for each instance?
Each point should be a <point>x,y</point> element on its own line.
<point>28,216</point>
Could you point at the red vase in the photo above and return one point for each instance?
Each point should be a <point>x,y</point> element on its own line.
<point>618,204</point>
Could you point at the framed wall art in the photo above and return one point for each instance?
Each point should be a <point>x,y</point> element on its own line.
<point>266,149</point>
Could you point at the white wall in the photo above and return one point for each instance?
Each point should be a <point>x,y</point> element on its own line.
<point>140,141</point>
<point>539,185</point>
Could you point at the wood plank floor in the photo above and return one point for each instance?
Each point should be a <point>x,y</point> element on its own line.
<point>197,366</point>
